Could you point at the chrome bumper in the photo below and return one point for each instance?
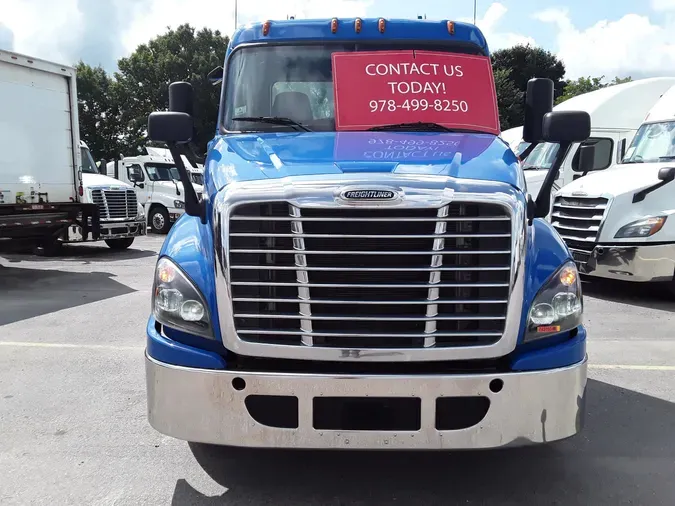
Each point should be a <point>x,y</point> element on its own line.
<point>109,230</point>
<point>204,406</point>
<point>632,263</point>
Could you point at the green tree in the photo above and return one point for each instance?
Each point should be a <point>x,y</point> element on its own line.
<point>509,100</point>
<point>142,83</point>
<point>97,111</point>
<point>586,85</point>
<point>523,62</point>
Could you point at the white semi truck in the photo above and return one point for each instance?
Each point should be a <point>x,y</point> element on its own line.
<point>157,183</point>
<point>50,189</point>
<point>616,113</point>
<point>619,223</point>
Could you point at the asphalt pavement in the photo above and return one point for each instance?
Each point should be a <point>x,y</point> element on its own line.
<point>73,427</point>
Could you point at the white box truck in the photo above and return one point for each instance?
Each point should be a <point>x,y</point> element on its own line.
<point>50,189</point>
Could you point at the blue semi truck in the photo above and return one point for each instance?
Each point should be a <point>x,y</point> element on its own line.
<point>365,268</point>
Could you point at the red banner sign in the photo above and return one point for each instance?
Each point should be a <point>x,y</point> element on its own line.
<point>388,87</point>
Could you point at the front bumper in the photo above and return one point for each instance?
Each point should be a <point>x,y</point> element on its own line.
<point>204,406</point>
<point>110,230</point>
<point>642,263</point>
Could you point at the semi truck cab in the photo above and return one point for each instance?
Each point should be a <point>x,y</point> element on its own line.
<point>364,269</point>
<point>155,178</point>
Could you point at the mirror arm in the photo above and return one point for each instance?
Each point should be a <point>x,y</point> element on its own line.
<point>543,203</point>
<point>193,206</point>
<point>640,196</point>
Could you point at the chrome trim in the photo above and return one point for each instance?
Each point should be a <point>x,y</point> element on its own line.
<point>203,406</point>
<point>319,192</point>
<point>302,277</point>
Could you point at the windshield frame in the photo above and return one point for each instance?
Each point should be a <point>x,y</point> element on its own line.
<point>639,135</point>
<point>466,47</point>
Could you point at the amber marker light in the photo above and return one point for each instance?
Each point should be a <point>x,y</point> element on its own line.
<point>568,276</point>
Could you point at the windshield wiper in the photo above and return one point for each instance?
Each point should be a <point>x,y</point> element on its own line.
<point>665,158</point>
<point>419,126</point>
<point>274,120</point>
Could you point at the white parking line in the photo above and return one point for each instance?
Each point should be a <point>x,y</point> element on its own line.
<point>75,346</point>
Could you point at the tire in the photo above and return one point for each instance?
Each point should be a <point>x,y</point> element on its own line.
<point>119,244</point>
<point>48,248</point>
<point>159,220</point>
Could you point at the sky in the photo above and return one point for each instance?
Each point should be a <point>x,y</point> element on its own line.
<point>592,37</point>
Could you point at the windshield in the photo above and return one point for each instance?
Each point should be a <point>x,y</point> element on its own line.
<point>653,142</point>
<point>542,156</point>
<point>162,172</point>
<point>295,82</point>
<point>88,164</point>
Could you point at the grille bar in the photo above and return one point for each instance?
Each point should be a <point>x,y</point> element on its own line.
<point>368,269</point>
<point>428,220</point>
<point>337,252</point>
<point>376,302</point>
<point>578,221</point>
<point>374,236</point>
<point>369,334</point>
<point>371,318</point>
<point>363,285</point>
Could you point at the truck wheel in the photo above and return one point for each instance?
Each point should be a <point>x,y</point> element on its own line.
<point>48,248</point>
<point>159,221</point>
<point>119,244</point>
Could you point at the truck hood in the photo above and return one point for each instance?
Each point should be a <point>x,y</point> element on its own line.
<point>93,180</point>
<point>245,157</point>
<point>619,184</point>
<point>617,180</point>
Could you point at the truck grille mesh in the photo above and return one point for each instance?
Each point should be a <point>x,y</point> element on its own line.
<point>370,278</point>
<point>578,220</point>
<point>115,204</point>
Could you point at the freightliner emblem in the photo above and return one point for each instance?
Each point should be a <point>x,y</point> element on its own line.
<point>368,194</point>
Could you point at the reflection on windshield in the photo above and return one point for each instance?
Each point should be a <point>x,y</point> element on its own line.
<point>293,81</point>
<point>161,172</point>
<point>542,156</point>
<point>652,143</point>
<point>88,164</point>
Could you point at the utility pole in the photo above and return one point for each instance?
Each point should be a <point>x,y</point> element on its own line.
<point>235,14</point>
<point>474,12</point>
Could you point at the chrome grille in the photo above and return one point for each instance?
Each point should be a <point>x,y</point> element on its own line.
<point>370,278</point>
<point>578,220</point>
<point>115,204</point>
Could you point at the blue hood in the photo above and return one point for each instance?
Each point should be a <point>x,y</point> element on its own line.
<point>245,157</point>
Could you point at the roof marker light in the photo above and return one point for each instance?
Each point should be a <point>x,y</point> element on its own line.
<point>380,25</point>
<point>358,24</point>
<point>451,27</point>
<point>334,25</point>
<point>266,27</point>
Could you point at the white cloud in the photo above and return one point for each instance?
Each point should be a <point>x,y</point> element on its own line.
<point>102,31</point>
<point>489,24</point>
<point>631,45</point>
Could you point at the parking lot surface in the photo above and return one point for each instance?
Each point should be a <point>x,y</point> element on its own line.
<point>74,431</point>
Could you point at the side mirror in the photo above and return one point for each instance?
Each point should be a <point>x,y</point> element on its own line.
<point>538,102</point>
<point>172,127</point>
<point>140,185</point>
<point>667,174</point>
<point>586,159</point>
<point>215,77</point>
<point>566,126</point>
<point>181,97</point>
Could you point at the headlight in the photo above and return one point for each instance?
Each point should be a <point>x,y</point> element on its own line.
<point>558,305</point>
<point>177,303</point>
<point>178,204</point>
<point>642,228</point>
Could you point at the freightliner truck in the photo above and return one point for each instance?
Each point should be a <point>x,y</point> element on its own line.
<point>364,269</point>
